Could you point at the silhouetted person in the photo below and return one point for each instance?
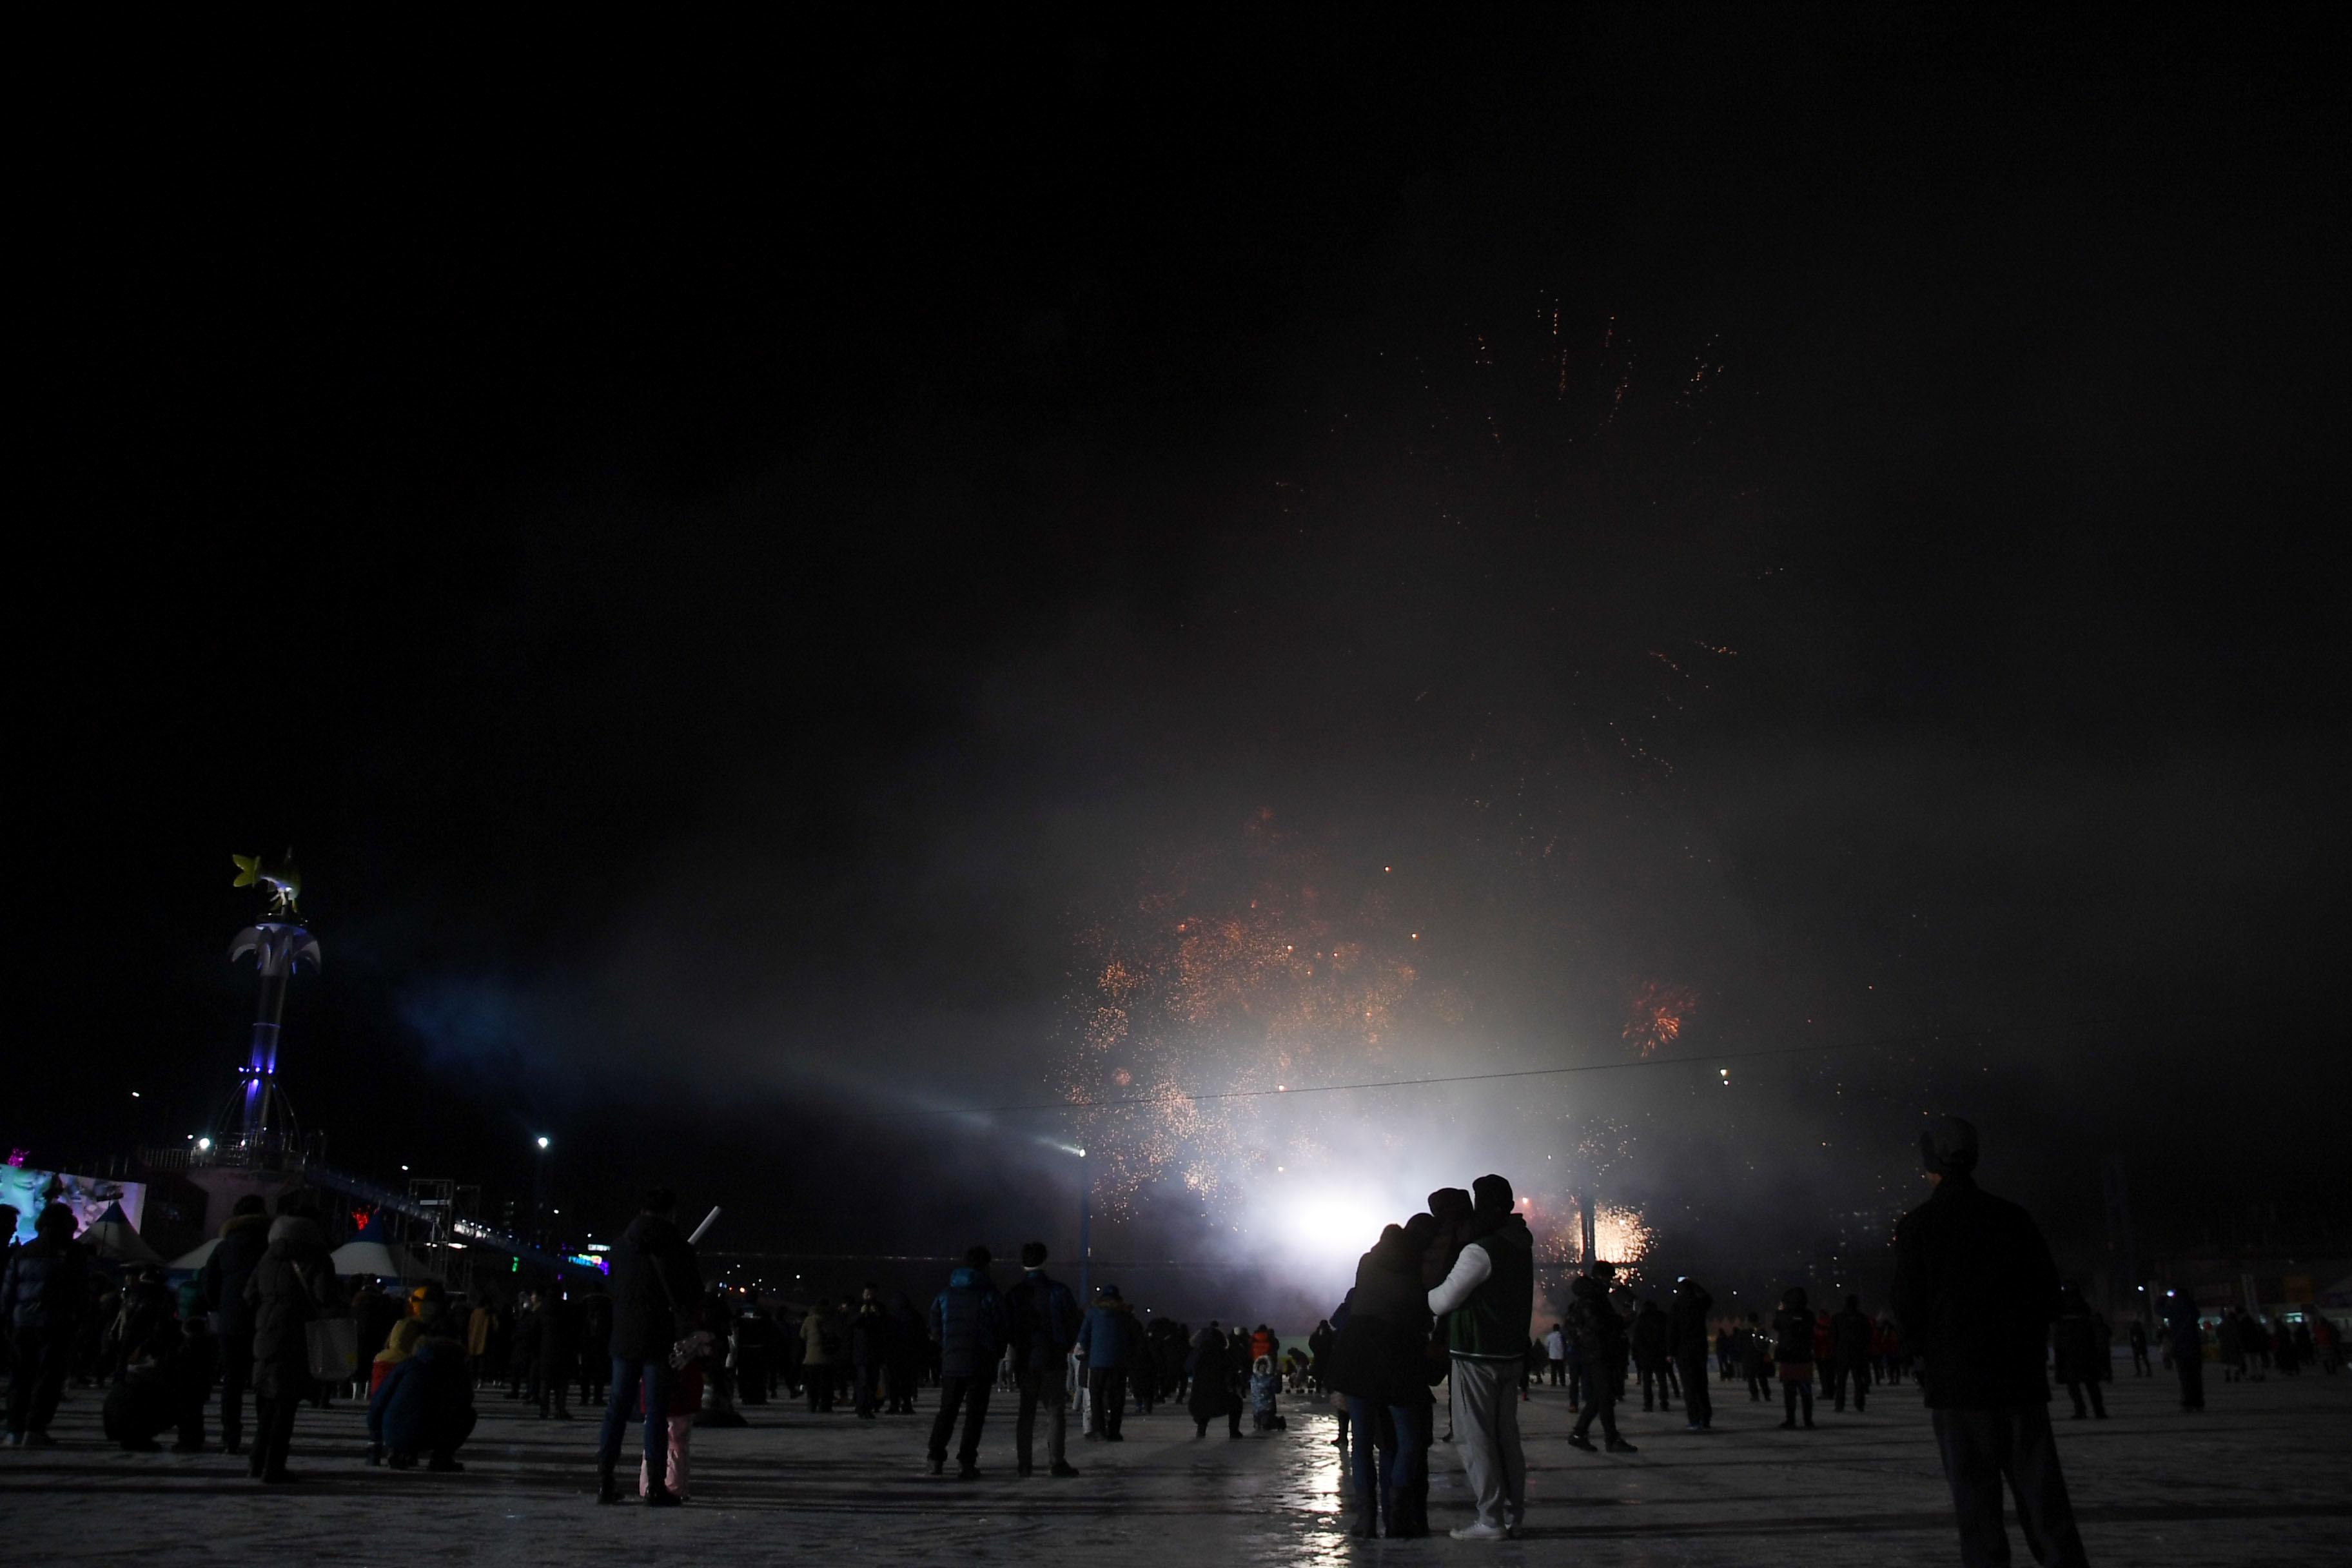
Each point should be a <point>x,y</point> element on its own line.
<point>43,1297</point>
<point>1650,1335</point>
<point>1212,1393</point>
<point>1598,1335</point>
<point>1686,1344</point>
<point>2185,1339</point>
<point>1793,1353</point>
<point>1756,1360</point>
<point>656,1284</point>
<point>290,1289</point>
<point>2080,1340</point>
<point>1042,1317</point>
<point>1376,1362</point>
<point>1974,1290</point>
<point>242,1241</point>
<point>1109,1339</point>
<point>869,1345</point>
<point>1850,1337</point>
<point>967,1323</point>
<point>820,1343</point>
<point>2140,1367</point>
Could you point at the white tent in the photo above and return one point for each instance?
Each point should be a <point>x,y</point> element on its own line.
<point>375,1259</point>
<point>111,1238</point>
<point>195,1256</point>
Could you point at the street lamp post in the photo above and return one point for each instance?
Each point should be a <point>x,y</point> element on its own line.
<point>1086,1242</point>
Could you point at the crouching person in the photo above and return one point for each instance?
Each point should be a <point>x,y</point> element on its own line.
<point>425,1404</point>
<point>166,1380</point>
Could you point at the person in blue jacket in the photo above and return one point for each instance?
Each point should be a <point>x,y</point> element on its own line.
<point>1109,1339</point>
<point>968,1325</point>
<point>425,1404</point>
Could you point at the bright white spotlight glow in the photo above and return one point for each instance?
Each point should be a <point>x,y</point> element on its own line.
<point>542,1141</point>
<point>1332,1225</point>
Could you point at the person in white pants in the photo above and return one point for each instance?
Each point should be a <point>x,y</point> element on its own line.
<point>1486,1301</point>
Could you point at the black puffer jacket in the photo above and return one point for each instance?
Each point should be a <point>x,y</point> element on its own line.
<point>1975,1289</point>
<point>655,1281</point>
<point>46,1285</point>
<point>1212,1374</point>
<point>1378,1355</point>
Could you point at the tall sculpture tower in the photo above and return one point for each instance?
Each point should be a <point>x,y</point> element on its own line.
<point>280,944</point>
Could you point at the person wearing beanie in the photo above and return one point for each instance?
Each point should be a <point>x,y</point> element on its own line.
<point>1487,1299</point>
<point>1044,1322</point>
<point>1975,1291</point>
<point>242,1241</point>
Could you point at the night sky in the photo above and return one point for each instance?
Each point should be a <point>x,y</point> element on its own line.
<point>748,577</point>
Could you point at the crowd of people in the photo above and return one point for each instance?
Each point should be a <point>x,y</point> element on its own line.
<point>1978,1319</point>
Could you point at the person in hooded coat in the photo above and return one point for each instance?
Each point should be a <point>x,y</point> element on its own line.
<point>242,1241</point>
<point>2080,1339</point>
<point>1687,1345</point>
<point>1490,1293</point>
<point>1212,1395</point>
<point>1975,1289</point>
<point>656,1286</point>
<point>290,1289</point>
<point>1375,1362</point>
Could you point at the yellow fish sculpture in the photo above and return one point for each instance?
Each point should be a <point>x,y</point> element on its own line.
<point>284,882</point>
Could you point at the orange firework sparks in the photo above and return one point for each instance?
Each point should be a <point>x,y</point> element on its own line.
<point>1656,1016</point>
<point>1235,977</point>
